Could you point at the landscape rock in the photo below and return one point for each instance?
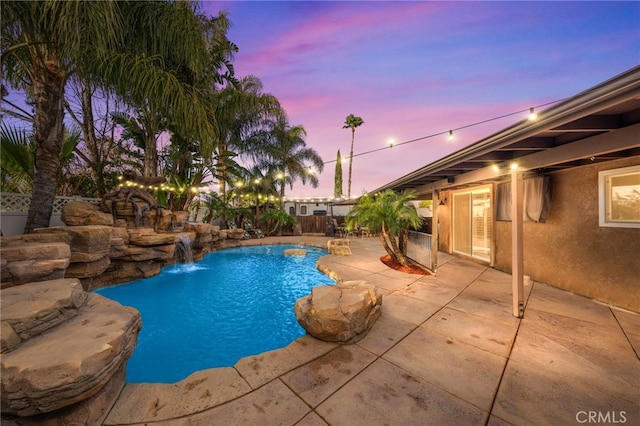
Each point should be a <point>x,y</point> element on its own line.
<point>76,213</point>
<point>88,243</point>
<point>146,237</point>
<point>70,363</point>
<point>31,309</point>
<point>339,247</point>
<point>295,252</point>
<point>88,269</point>
<point>343,312</point>
<point>23,261</point>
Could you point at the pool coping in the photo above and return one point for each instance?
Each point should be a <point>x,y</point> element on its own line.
<point>206,389</point>
<point>446,350</point>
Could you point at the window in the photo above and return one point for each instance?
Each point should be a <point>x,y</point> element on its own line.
<point>303,210</point>
<point>619,197</point>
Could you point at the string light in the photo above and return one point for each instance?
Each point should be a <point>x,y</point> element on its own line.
<point>477,123</point>
<point>532,116</point>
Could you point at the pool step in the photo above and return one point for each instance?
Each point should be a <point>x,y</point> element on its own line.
<point>71,344</point>
<point>29,310</point>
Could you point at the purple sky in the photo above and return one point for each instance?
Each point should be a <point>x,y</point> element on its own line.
<point>413,69</point>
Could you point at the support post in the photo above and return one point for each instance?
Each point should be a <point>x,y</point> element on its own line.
<point>434,229</point>
<point>517,250</point>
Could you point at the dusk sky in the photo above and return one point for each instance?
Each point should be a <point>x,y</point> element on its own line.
<point>414,69</point>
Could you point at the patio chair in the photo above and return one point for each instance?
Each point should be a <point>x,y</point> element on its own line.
<point>351,232</point>
<point>232,225</point>
<point>365,232</point>
<point>337,229</point>
<point>248,227</point>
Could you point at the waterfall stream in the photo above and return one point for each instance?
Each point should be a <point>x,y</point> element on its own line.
<point>183,249</point>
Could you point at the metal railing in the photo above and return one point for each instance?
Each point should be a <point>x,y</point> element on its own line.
<point>419,248</point>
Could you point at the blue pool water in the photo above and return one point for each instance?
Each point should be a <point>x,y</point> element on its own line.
<point>234,303</point>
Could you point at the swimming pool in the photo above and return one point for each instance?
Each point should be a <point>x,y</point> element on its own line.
<point>234,303</point>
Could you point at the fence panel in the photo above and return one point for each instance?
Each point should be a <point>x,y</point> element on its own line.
<point>15,207</point>
<point>313,224</point>
<point>419,248</point>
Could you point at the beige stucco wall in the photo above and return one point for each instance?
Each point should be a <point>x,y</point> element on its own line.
<point>571,251</point>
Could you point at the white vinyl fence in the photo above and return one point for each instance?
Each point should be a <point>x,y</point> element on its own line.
<point>14,209</point>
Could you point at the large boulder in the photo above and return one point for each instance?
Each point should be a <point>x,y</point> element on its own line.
<point>70,363</point>
<point>76,213</point>
<point>33,309</point>
<point>343,312</point>
<point>295,252</point>
<point>24,260</point>
<point>339,247</point>
<point>89,248</point>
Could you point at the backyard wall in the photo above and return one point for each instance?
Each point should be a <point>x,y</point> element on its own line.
<point>571,251</point>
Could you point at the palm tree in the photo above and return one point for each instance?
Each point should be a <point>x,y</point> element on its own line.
<point>242,113</point>
<point>16,160</point>
<point>17,155</point>
<point>114,44</point>
<point>389,214</point>
<point>337,187</point>
<point>351,122</point>
<point>287,156</point>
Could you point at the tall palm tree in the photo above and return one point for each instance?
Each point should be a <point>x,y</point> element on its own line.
<point>388,214</point>
<point>351,122</point>
<point>242,113</point>
<point>337,187</point>
<point>114,44</point>
<point>288,156</point>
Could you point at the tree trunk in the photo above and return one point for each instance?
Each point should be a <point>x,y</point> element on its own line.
<point>353,135</point>
<point>90,140</point>
<point>403,241</point>
<point>221,171</point>
<point>399,256</point>
<point>150,147</point>
<point>49,133</point>
<point>385,244</point>
<point>282,194</point>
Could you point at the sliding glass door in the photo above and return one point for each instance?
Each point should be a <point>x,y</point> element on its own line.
<point>472,223</point>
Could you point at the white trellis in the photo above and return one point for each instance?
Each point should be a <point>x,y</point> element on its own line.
<point>14,209</point>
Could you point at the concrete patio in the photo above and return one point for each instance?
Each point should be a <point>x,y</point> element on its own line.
<point>446,351</point>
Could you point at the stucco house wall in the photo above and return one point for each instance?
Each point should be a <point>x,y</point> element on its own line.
<point>571,251</point>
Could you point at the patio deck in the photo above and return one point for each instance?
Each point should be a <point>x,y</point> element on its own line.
<point>445,351</point>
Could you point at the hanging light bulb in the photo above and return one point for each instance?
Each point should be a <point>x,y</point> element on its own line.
<point>533,116</point>
<point>391,142</point>
<point>451,135</point>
